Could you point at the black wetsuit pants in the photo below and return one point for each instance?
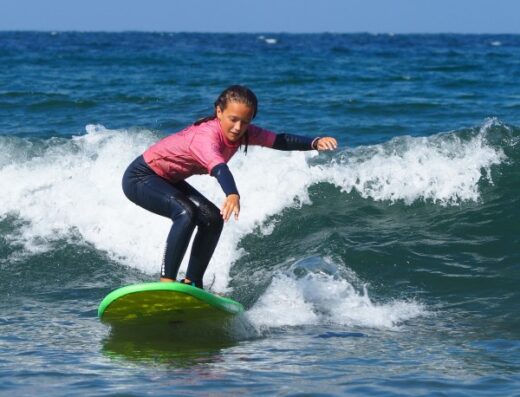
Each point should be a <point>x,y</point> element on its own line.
<point>187,208</point>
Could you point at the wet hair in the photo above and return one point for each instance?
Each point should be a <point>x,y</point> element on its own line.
<point>234,93</point>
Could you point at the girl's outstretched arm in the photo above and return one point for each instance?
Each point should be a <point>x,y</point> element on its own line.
<point>300,142</point>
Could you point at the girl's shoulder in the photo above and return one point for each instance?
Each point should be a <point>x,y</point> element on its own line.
<point>207,128</point>
<point>210,126</point>
<point>206,133</point>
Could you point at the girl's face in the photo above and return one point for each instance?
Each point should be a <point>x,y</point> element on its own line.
<point>234,120</point>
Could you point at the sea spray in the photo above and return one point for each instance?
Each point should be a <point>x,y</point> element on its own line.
<point>443,168</point>
<point>321,299</point>
<point>71,187</point>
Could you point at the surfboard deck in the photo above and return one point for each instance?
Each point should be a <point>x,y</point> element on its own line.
<point>164,303</point>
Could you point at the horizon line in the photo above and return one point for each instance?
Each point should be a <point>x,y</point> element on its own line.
<point>253,33</point>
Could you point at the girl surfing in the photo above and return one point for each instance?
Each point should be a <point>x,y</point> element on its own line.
<point>156,180</point>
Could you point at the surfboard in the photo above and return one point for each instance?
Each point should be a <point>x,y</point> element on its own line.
<point>160,303</point>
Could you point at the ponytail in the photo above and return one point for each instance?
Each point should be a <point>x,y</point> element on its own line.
<point>205,119</point>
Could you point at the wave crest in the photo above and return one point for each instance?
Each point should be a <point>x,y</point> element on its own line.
<point>445,169</point>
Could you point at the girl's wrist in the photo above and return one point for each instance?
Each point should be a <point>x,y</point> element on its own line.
<point>314,143</point>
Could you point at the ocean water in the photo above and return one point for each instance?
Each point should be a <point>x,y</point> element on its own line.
<point>389,267</point>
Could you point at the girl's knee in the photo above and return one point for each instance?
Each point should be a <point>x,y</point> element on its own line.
<point>217,221</point>
<point>211,218</point>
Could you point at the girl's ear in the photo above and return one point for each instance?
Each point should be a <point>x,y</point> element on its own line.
<point>218,112</point>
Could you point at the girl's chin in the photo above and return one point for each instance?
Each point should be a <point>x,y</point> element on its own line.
<point>233,137</point>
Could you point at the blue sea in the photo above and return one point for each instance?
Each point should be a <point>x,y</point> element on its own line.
<point>389,267</point>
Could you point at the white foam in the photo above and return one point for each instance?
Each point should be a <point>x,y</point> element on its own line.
<point>322,298</point>
<point>71,188</point>
<point>75,185</point>
<point>268,40</point>
<point>443,168</point>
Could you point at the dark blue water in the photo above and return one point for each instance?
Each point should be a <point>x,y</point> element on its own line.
<point>389,267</point>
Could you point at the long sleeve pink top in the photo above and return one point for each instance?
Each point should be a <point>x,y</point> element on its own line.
<point>197,149</point>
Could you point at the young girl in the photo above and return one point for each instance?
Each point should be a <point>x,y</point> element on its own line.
<point>156,179</point>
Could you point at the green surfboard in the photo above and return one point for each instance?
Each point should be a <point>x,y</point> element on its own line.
<point>164,303</point>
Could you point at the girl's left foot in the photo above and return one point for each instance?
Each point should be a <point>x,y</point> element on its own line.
<point>189,282</point>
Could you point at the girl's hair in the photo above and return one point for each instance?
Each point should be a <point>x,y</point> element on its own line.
<point>234,93</point>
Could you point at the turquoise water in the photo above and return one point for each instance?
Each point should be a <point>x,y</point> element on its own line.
<point>389,267</point>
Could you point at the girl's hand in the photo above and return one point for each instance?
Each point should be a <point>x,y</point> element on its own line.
<point>326,143</point>
<point>231,206</point>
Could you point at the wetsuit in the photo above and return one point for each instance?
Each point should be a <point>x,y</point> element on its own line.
<point>156,182</point>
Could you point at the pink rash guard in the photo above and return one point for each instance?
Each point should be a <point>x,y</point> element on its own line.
<point>197,149</point>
